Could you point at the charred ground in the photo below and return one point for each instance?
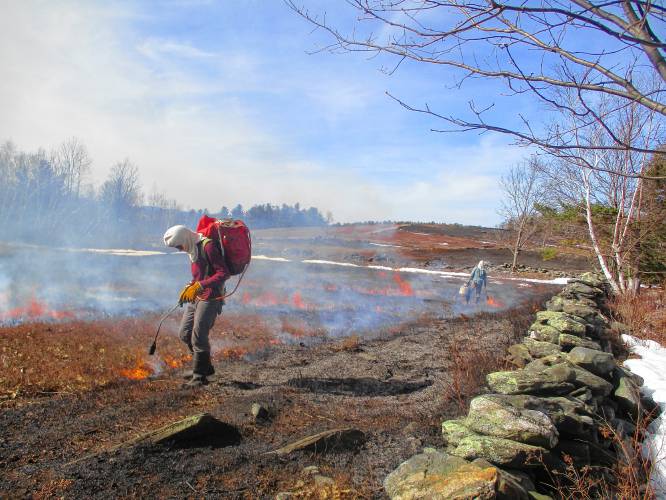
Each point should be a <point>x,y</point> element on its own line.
<point>67,398</point>
<point>396,390</point>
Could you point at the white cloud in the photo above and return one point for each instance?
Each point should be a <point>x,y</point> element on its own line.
<point>159,47</point>
<point>77,69</point>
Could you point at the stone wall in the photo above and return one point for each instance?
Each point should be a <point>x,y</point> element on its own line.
<point>548,413</point>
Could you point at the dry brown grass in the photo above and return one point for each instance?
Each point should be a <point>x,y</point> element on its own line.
<point>644,314</point>
<point>472,356</point>
<point>628,478</point>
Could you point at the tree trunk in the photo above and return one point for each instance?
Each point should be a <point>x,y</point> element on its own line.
<point>516,247</point>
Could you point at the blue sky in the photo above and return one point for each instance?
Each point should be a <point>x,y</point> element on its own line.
<point>220,103</point>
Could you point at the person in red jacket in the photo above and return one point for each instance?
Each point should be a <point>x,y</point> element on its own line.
<point>203,297</point>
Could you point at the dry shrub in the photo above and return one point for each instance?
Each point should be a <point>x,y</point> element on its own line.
<point>628,478</point>
<point>349,344</point>
<point>644,314</point>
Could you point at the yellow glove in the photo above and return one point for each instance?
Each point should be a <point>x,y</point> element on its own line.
<point>190,292</point>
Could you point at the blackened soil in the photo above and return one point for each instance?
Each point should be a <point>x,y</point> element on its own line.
<point>395,390</point>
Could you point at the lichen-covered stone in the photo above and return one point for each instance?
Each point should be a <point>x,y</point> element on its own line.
<point>598,362</point>
<point>627,395</point>
<point>568,342</point>
<point>538,349</point>
<point>544,333</point>
<point>593,279</point>
<point>580,289</point>
<point>494,416</point>
<point>581,378</point>
<point>571,417</point>
<point>512,485</point>
<point>453,431</point>
<point>519,355</point>
<point>439,475</point>
<point>553,380</point>
<point>583,308</point>
<point>500,451</point>
<point>621,371</point>
<point>563,322</point>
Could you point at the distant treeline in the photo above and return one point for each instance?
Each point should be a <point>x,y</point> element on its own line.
<point>45,198</point>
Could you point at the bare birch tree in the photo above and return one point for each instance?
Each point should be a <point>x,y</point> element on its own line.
<point>607,185</point>
<point>591,48</point>
<point>522,189</point>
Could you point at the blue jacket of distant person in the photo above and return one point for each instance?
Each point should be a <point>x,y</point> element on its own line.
<point>479,277</point>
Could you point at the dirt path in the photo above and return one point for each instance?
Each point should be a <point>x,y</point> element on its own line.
<point>396,390</point>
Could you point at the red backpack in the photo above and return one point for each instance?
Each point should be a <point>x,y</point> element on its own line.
<point>233,240</point>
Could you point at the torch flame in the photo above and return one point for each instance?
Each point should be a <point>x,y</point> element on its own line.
<point>139,372</point>
<point>492,302</point>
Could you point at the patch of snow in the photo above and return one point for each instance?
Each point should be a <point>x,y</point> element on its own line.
<point>650,366</point>
<point>443,244</point>
<point>385,245</point>
<point>274,259</point>
<point>118,251</point>
<point>428,271</point>
<point>487,242</point>
<point>330,263</point>
<point>381,268</point>
<point>383,230</point>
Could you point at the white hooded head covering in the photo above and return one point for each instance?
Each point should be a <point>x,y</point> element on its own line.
<point>181,236</point>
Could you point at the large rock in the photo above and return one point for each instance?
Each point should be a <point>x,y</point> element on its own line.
<point>621,371</point>
<point>494,416</point>
<point>583,308</point>
<point>577,450</point>
<point>571,417</point>
<point>197,430</point>
<point>500,451</point>
<point>538,349</point>
<point>568,342</point>
<point>627,395</point>
<point>577,289</point>
<point>435,474</point>
<point>552,380</point>
<point>519,355</point>
<point>598,362</point>
<point>453,431</point>
<point>334,439</point>
<point>563,322</point>
<point>544,333</point>
<point>593,279</point>
<point>581,378</point>
<point>512,485</point>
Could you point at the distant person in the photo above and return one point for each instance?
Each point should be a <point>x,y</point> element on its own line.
<point>477,282</point>
<point>202,296</point>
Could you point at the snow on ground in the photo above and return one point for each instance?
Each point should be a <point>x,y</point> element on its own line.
<point>652,367</point>
<point>274,259</point>
<point>385,245</point>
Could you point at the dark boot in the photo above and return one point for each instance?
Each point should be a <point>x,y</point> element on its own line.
<point>201,366</point>
<point>207,369</point>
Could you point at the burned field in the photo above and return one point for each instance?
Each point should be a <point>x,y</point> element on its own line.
<point>388,354</point>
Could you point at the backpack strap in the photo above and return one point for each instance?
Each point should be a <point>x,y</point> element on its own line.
<point>205,242</point>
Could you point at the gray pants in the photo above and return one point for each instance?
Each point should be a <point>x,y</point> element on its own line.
<point>197,321</point>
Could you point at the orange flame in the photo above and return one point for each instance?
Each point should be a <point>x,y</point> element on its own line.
<point>139,372</point>
<point>234,352</point>
<point>405,287</point>
<point>298,300</point>
<point>492,302</point>
<point>172,362</point>
<point>35,310</point>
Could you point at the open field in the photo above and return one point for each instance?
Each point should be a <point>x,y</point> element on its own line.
<point>387,350</point>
